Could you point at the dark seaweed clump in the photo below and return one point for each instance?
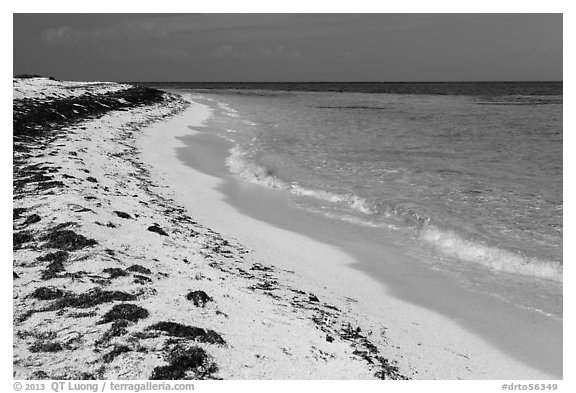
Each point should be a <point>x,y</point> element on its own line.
<point>32,219</point>
<point>38,375</point>
<point>46,346</point>
<point>29,76</point>
<point>58,256</point>
<point>155,228</point>
<point>126,311</point>
<point>139,269</point>
<point>35,176</point>
<point>142,280</point>
<point>313,298</point>
<point>175,329</point>
<point>117,350</point>
<point>186,363</point>
<point>92,298</point>
<point>122,214</point>
<point>199,298</point>
<point>30,117</point>
<point>117,328</point>
<point>114,272</point>
<point>48,293</point>
<point>68,240</point>
<point>388,370</point>
<point>20,238</point>
<point>17,212</point>
<point>56,265</point>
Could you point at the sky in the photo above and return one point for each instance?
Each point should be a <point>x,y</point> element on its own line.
<point>289,47</point>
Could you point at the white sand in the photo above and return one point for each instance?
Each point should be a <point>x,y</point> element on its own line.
<point>425,344</point>
<point>45,88</point>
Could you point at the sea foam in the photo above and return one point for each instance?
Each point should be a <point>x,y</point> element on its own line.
<point>451,244</point>
<point>237,164</point>
<point>447,242</point>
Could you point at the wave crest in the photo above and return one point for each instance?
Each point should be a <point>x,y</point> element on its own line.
<point>446,242</point>
<point>255,173</point>
<point>451,244</point>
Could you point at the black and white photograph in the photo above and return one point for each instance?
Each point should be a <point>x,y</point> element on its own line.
<point>287,196</point>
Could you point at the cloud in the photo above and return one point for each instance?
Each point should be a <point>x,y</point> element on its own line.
<point>250,28</point>
<point>235,28</point>
<point>230,36</point>
<point>140,30</point>
<point>228,51</point>
<point>171,53</point>
<point>277,51</point>
<point>135,39</point>
<point>55,34</point>
<point>254,51</point>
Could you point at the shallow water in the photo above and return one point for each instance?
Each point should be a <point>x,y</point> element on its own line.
<point>469,185</point>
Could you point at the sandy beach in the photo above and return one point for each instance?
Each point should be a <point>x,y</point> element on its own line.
<point>138,256</point>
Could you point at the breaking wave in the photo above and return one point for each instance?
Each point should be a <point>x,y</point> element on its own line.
<point>447,242</point>
<point>451,244</point>
<point>255,173</point>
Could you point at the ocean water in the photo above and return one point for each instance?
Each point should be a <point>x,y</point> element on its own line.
<point>468,178</point>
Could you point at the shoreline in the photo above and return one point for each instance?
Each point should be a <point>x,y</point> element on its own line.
<point>129,264</point>
<point>247,200</point>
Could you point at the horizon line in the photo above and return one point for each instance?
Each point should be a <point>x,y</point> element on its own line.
<point>416,81</point>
